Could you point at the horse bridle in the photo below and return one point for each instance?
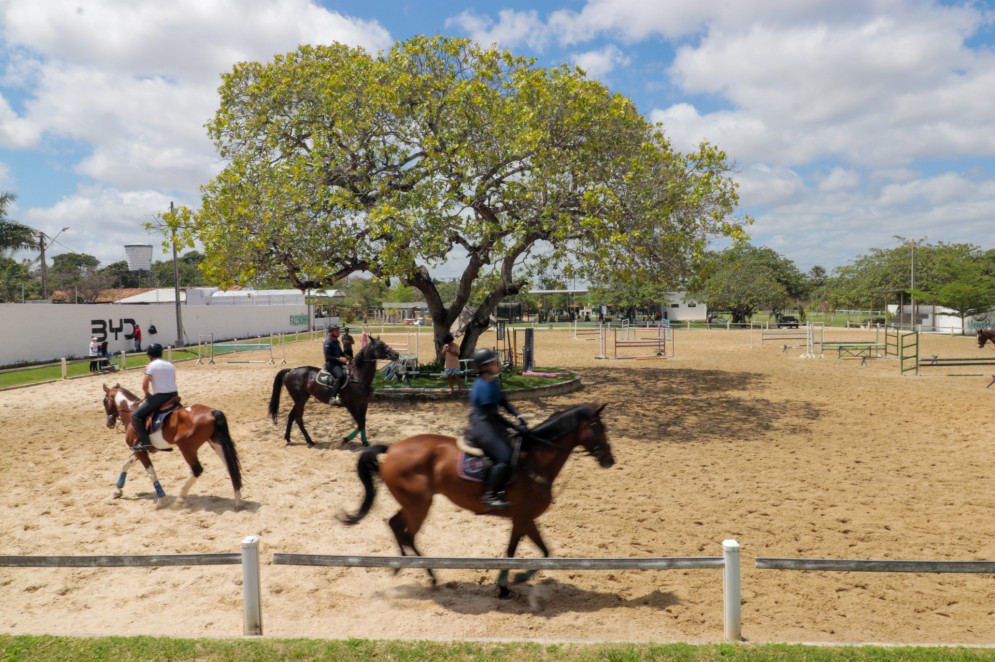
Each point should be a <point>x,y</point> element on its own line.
<point>597,451</point>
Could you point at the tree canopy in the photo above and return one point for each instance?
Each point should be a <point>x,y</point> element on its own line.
<point>746,278</point>
<point>14,236</point>
<point>440,150</point>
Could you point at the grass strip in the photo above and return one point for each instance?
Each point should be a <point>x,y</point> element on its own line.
<point>46,648</point>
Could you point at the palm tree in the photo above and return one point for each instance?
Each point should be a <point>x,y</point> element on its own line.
<point>14,236</point>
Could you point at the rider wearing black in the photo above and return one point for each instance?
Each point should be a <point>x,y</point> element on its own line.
<point>159,385</point>
<point>489,429</point>
<point>334,360</point>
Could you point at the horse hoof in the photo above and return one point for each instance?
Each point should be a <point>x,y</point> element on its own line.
<point>117,493</point>
<point>504,593</point>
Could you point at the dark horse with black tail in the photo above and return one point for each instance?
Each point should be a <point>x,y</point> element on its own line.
<point>302,384</point>
<point>418,468</point>
<point>984,335</point>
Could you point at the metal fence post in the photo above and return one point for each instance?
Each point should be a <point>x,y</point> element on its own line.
<point>731,590</point>
<point>251,590</point>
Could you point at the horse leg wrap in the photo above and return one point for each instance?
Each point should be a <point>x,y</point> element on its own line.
<point>353,434</point>
<point>503,579</point>
<point>363,438</point>
<point>524,576</point>
<point>120,480</point>
<point>159,492</point>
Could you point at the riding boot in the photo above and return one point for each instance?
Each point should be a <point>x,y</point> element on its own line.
<point>336,389</point>
<point>144,443</point>
<point>494,494</point>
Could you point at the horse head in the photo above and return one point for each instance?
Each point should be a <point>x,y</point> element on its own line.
<point>984,335</point>
<point>594,438</point>
<point>116,400</point>
<point>378,349</point>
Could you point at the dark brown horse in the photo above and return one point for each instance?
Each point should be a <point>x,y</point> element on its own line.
<point>418,468</point>
<point>302,384</point>
<point>984,335</point>
<point>187,429</point>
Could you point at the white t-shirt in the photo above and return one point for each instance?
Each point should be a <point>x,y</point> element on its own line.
<point>94,348</point>
<point>162,375</point>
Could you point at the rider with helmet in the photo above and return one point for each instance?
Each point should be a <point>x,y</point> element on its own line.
<point>159,385</point>
<point>488,427</point>
<point>334,360</point>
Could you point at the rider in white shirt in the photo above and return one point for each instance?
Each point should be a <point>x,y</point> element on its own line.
<point>159,385</point>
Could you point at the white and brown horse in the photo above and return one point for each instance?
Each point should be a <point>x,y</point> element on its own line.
<point>186,429</point>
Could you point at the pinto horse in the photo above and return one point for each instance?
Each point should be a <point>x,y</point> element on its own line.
<point>302,384</point>
<point>984,335</point>
<point>418,468</point>
<point>187,428</point>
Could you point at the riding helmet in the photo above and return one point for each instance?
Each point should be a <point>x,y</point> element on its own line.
<point>483,356</point>
<point>155,349</point>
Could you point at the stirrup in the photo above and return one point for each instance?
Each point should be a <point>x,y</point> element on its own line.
<point>495,502</point>
<point>143,447</point>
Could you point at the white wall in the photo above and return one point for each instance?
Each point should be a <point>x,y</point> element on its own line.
<point>48,332</point>
<point>679,310</point>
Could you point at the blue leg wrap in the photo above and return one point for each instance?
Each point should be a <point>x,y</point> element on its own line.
<point>120,480</point>
<point>158,490</point>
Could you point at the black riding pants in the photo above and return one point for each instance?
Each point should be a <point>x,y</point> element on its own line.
<point>148,406</point>
<point>492,437</point>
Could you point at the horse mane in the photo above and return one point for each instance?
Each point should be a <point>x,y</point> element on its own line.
<point>126,392</point>
<point>562,422</point>
<point>362,357</point>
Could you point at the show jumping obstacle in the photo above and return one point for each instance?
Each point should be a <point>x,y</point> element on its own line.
<point>650,341</point>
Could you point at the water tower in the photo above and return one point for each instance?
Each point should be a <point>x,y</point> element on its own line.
<point>139,259</point>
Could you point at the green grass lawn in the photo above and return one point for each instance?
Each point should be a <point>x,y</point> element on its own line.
<point>49,372</point>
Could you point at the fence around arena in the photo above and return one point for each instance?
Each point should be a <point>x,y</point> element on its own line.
<point>729,562</point>
<point>248,559</point>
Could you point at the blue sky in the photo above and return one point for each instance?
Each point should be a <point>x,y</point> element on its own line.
<point>850,122</point>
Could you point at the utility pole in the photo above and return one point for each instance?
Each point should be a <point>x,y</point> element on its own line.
<point>44,270</point>
<point>176,288</point>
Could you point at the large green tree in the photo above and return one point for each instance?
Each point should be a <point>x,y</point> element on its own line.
<point>440,150</point>
<point>746,278</point>
<point>962,283</point>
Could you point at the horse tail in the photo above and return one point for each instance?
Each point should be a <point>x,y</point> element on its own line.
<point>274,401</point>
<point>223,437</point>
<point>366,467</point>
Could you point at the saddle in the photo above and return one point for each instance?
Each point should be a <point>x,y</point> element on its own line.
<point>158,419</point>
<point>472,464</point>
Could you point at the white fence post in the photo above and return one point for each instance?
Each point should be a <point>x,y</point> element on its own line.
<point>251,590</point>
<point>65,369</point>
<point>731,589</point>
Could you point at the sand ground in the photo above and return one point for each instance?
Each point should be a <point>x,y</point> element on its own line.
<point>792,457</point>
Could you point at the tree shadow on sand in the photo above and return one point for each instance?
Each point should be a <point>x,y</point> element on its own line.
<point>549,598</point>
<point>667,405</point>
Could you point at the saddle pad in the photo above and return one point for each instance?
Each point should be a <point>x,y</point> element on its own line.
<point>471,467</point>
<point>324,377</point>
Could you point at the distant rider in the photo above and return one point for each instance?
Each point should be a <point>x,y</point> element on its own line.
<point>159,385</point>
<point>335,358</point>
<point>488,427</point>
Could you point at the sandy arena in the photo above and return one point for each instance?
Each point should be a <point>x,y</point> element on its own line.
<point>792,457</point>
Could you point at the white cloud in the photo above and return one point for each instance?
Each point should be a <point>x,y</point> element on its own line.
<point>101,221</point>
<point>513,28</point>
<point>133,82</point>
<point>598,64</point>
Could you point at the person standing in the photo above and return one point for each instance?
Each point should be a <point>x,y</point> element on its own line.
<point>347,343</point>
<point>488,427</point>
<point>334,360</point>
<point>94,355</point>
<point>159,385</point>
<point>450,353</point>
<point>138,338</point>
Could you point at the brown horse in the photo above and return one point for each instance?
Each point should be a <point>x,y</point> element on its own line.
<point>187,428</point>
<point>302,384</point>
<point>420,467</point>
<point>984,335</point>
